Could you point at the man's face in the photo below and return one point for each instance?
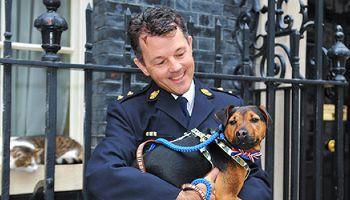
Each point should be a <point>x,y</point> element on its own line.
<point>168,60</point>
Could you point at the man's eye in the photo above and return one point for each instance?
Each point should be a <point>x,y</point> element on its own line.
<point>161,63</point>
<point>180,55</point>
<point>233,122</point>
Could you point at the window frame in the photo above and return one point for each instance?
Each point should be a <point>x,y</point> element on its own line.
<point>76,53</point>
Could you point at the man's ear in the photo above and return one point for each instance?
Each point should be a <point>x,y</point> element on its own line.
<point>224,114</point>
<point>141,66</point>
<point>189,40</point>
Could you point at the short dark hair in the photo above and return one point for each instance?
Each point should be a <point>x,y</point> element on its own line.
<point>155,22</point>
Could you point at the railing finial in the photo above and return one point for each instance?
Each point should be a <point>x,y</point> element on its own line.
<point>338,53</point>
<point>52,4</point>
<point>51,25</point>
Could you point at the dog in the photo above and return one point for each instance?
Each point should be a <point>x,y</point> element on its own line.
<point>244,129</point>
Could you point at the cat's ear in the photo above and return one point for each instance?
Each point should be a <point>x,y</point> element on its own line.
<point>19,154</point>
<point>39,151</point>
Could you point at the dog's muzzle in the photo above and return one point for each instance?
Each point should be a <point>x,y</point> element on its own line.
<point>243,140</point>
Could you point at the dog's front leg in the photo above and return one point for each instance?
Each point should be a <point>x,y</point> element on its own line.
<point>229,182</point>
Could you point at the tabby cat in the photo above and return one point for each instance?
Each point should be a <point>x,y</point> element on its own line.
<point>29,151</point>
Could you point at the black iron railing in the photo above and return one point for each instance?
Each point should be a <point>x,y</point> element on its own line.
<point>6,122</point>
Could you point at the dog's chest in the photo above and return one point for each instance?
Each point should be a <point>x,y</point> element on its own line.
<point>179,168</point>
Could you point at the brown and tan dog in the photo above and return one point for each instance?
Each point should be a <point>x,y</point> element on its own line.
<point>245,129</point>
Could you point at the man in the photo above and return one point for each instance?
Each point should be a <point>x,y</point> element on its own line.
<point>163,51</point>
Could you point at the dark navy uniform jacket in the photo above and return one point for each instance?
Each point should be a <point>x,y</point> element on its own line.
<point>151,113</point>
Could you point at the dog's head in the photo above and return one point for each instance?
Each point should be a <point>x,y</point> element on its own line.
<point>245,127</point>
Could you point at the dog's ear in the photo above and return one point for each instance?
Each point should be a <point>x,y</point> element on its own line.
<point>265,113</point>
<point>224,114</point>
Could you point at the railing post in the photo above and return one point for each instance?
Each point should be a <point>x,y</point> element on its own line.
<point>286,144</point>
<point>6,123</point>
<point>270,90</point>
<point>127,55</point>
<point>190,30</point>
<point>190,26</point>
<point>51,25</point>
<point>246,67</point>
<point>87,95</point>
<point>218,55</point>
<point>318,142</point>
<point>339,53</point>
<point>295,137</point>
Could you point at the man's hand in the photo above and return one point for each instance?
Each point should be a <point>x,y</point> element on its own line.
<point>194,195</point>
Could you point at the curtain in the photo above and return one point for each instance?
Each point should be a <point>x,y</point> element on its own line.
<point>29,84</point>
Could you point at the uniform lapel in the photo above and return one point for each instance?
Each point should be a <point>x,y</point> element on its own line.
<point>203,107</point>
<point>167,104</point>
<point>164,101</point>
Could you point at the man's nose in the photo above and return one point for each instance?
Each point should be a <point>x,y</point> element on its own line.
<point>174,65</point>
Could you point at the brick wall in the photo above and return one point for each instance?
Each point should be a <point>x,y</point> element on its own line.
<point>109,43</point>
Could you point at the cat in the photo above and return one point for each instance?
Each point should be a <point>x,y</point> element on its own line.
<point>27,152</point>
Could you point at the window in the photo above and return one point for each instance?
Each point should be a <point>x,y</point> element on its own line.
<point>29,84</point>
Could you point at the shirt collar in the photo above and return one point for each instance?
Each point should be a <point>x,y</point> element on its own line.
<point>189,95</point>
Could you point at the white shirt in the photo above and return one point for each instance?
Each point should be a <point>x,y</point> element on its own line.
<point>189,95</point>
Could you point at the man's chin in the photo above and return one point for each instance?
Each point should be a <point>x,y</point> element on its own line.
<point>177,88</point>
<point>181,90</point>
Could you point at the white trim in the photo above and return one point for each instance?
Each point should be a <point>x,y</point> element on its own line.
<point>76,109</point>
<point>35,47</point>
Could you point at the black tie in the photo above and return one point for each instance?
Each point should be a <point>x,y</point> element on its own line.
<point>183,104</point>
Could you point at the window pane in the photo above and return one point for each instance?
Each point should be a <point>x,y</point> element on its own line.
<point>29,97</point>
<point>24,12</point>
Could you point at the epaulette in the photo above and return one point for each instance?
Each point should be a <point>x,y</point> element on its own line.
<point>220,89</point>
<point>153,96</point>
<point>131,94</point>
<point>207,93</point>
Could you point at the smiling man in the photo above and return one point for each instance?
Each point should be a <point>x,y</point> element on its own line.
<point>168,60</point>
<point>163,51</point>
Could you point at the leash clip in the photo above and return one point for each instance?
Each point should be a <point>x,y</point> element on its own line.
<point>207,155</point>
<point>202,137</point>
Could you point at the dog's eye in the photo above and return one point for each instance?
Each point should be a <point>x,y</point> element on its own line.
<point>254,120</point>
<point>233,122</point>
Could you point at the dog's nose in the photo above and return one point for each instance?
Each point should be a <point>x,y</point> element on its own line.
<point>242,134</point>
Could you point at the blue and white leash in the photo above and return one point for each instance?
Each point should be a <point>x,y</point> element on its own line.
<point>183,149</point>
<point>207,185</point>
